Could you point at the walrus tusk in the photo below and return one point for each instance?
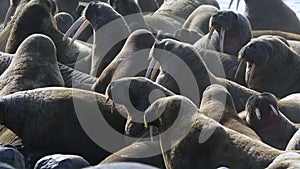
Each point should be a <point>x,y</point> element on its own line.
<point>222,37</point>
<point>257,112</point>
<point>84,25</point>
<point>74,27</point>
<point>107,100</point>
<point>211,31</point>
<point>230,3</point>
<point>237,4</point>
<point>151,133</point>
<point>8,15</point>
<point>274,110</point>
<point>240,71</point>
<point>150,68</point>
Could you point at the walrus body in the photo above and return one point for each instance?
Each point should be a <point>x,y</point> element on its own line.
<point>187,138</point>
<point>46,118</point>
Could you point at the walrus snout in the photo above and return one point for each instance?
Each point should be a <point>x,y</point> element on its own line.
<point>263,106</point>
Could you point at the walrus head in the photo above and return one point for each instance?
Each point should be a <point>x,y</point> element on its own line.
<point>164,112</point>
<point>137,94</point>
<point>262,110</point>
<point>269,62</point>
<point>97,14</point>
<point>268,122</point>
<point>234,31</point>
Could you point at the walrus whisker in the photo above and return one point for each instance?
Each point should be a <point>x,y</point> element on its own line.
<point>274,110</point>
<point>222,37</point>
<point>73,28</point>
<point>257,112</point>
<point>84,25</point>
<point>8,15</point>
<point>150,68</point>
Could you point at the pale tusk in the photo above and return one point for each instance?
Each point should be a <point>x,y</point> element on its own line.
<point>150,68</point>
<point>8,15</point>
<point>80,30</point>
<point>257,112</point>
<point>74,27</point>
<point>222,37</point>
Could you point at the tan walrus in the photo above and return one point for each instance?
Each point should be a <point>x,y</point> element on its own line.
<point>57,120</point>
<point>189,139</point>
<point>217,104</point>
<point>271,66</point>
<point>184,72</point>
<point>264,15</point>
<point>268,122</point>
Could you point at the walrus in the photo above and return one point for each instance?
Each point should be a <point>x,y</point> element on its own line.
<point>189,139</point>
<point>229,32</point>
<point>35,16</point>
<point>34,65</point>
<point>217,104</point>
<point>131,61</point>
<point>183,71</point>
<point>198,20</point>
<point>52,119</point>
<point>10,11</point>
<point>63,21</point>
<point>136,94</point>
<point>141,152</point>
<point>131,12</point>
<point>271,66</point>
<point>268,122</point>
<point>264,15</point>
<point>110,33</point>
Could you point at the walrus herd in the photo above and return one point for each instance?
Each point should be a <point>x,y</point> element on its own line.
<point>138,84</point>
